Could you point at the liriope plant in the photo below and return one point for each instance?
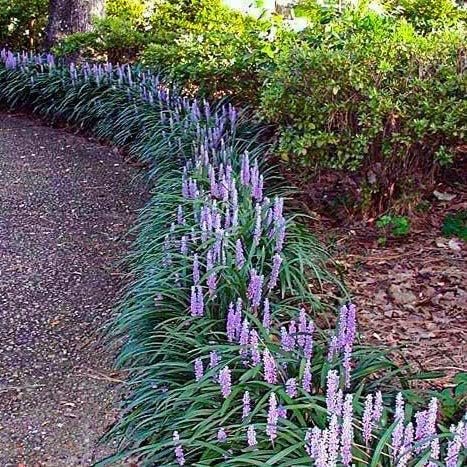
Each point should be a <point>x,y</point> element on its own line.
<point>225,364</point>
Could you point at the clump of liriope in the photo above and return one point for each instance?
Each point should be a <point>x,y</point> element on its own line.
<point>226,366</point>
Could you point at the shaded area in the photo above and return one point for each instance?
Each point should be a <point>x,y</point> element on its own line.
<point>66,204</point>
<point>411,293</point>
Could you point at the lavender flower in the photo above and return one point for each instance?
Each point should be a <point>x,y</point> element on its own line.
<point>257,192</point>
<point>254,288</point>
<point>246,405</point>
<point>213,359</point>
<point>258,231</point>
<point>251,436</point>
<point>367,418</point>
<point>454,447</point>
<point>225,381</point>
<point>347,430</point>
<point>276,264</point>
<point>193,302</point>
<point>279,235</point>
<point>184,245</point>
<point>307,377</point>
<point>377,408</point>
<point>278,208</point>
<point>221,435</point>
<point>199,370</point>
<point>266,314</point>
<point>332,388</point>
<point>270,371</point>
<point>333,346</point>
<point>239,256</point>
<point>333,441</point>
<point>287,341</point>
<point>291,387</point>
<point>398,433</point>
<point>178,449</point>
<point>347,364</point>
<point>232,329</point>
<point>308,347</point>
<point>254,343</point>
<point>271,428</point>
<point>302,328</point>
<point>180,218</point>
<point>196,273</point>
<point>282,411</point>
<point>245,169</point>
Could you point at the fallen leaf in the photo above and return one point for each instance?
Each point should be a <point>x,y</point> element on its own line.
<point>443,196</point>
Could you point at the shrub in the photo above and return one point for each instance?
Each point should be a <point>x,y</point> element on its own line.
<point>372,96</point>
<point>427,15</point>
<point>214,49</point>
<point>22,22</point>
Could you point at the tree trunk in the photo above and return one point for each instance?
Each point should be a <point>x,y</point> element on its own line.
<point>69,16</point>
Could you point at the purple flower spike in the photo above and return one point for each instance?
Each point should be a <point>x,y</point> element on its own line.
<point>278,208</point>
<point>287,340</point>
<point>221,435</point>
<point>178,449</point>
<point>377,408</point>
<point>196,273</point>
<point>270,370</point>
<point>266,315</point>
<point>255,288</point>
<point>367,419</point>
<point>232,324</point>
<point>254,343</point>
<point>213,359</point>
<point>347,364</point>
<point>184,245</point>
<point>251,436</point>
<point>276,264</point>
<point>280,235</point>
<point>199,370</point>
<point>193,302</point>
<point>333,441</point>
<point>258,189</point>
<point>245,169</point>
<point>239,256</point>
<point>180,218</point>
<point>347,431</point>
<point>282,412</point>
<point>308,347</point>
<point>258,231</point>
<point>273,416</point>
<point>246,405</point>
<point>332,388</point>
<point>291,387</point>
<point>398,433</point>
<point>307,377</point>
<point>225,381</point>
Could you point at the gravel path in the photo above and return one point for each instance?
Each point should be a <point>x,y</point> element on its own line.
<point>65,204</point>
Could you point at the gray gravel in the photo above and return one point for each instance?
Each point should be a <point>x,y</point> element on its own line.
<point>66,203</point>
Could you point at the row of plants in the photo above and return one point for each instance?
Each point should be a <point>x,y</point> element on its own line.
<point>225,360</point>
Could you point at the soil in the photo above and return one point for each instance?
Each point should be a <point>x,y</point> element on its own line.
<point>66,204</point>
<point>411,292</point>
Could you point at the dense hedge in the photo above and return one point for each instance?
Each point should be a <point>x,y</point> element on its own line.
<point>373,96</point>
<point>225,365</point>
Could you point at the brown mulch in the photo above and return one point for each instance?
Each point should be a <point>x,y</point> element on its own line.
<point>411,293</point>
<point>66,204</point>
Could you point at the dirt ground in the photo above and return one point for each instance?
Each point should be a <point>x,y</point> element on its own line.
<point>411,292</point>
<point>66,204</point>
